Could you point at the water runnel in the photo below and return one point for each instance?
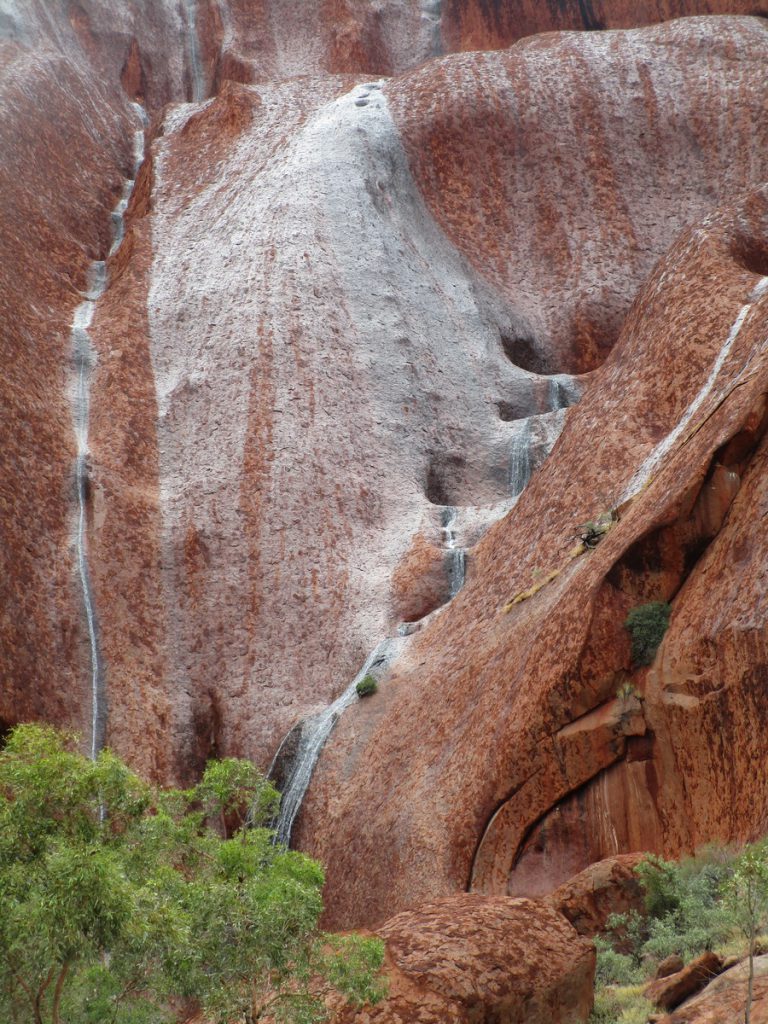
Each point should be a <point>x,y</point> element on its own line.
<point>193,47</point>
<point>84,361</point>
<point>314,733</point>
<point>652,463</point>
<point>457,557</point>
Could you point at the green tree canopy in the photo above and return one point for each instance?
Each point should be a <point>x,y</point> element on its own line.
<point>119,898</point>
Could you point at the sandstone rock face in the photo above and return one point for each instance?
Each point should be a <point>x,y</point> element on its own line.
<point>274,411</point>
<point>670,965</point>
<point>471,958</point>
<point>567,233</point>
<point>531,683</point>
<point>724,998</point>
<point>608,887</point>
<point>351,305</point>
<point>670,991</point>
<point>483,25</point>
<point>60,176</point>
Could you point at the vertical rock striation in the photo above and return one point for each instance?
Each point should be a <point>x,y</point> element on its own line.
<point>356,297</point>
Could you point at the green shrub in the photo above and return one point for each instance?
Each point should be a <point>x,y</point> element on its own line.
<point>684,912</point>
<point>647,625</point>
<point>366,686</point>
<point>614,968</point>
<point>118,898</point>
<point>625,1005</point>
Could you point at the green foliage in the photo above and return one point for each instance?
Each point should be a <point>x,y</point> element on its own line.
<point>367,686</point>
<point>746,895</point>
<point>690,906</point>
<point>117,897</point>
<point>352,965</point>
<point>613,967</point>
<point>746,891</point>
<point>647,625</point>
<point>621,1006</point>
<point>685,914</point>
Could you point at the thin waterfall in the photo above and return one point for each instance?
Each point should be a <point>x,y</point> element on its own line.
<point>533,438</point>
<point>540,434</point>
<point>457,557</point>
<point>84,360</point>
<point>520,465</point>
<point>314,733</point>
<point>651,464</point>
<point>564,391</point>
<point>197,78</point>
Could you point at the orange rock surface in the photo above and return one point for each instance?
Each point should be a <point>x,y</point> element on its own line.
<point>725,997</point>
<point>671,991</point>
<point>538,683</point>
<point>474,958</point>
<point>495,24</point>
<point>360,269</point>
<point>607,887</point>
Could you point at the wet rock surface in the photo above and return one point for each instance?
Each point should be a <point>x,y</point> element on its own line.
<point>357,300</point>
<point>532,682</point>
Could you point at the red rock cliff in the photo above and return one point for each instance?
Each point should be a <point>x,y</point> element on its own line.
<point>358,288</point>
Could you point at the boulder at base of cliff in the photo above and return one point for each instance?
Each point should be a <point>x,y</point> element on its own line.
<point>669,992</point>
<point>472,958</point>
<point>723,1000</point>
<point>608,887</point>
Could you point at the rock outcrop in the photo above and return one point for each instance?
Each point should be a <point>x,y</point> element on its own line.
<point>608,887</point>
<point>674,989</point>
<point>480,25</point>
<point>648,439</point>
<point>724,998</point>
<point>472,958</point>
<point>275,412</point>
<point>357,297</point>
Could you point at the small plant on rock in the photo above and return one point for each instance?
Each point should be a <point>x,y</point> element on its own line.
<point>647,625</point>
<point>626,691</point>
<point>367,686</point>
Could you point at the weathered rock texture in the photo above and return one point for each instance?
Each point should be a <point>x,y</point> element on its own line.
<point>470,959</point>
<point>674,989</point>
<point>608,887</point>
<point>353,288</point>
<point>514,710</point>
<point>495,24</point>
<point>725,997</point>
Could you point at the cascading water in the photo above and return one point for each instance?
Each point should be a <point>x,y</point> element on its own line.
<point>432,15</point>
<point>563,391</point>
<point>197,78</point>
<point>653,461</point>
<point>457,557</point>
<point>520,465</point>
<point>315,731</point>
<point>534,437</point>
<point>84,360</point>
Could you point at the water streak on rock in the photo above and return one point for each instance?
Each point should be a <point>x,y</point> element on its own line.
<point>84,360</point>
<point>197,78</point>
<point>457,564</point>
<point>654,460</point>
<point>316,730</point>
